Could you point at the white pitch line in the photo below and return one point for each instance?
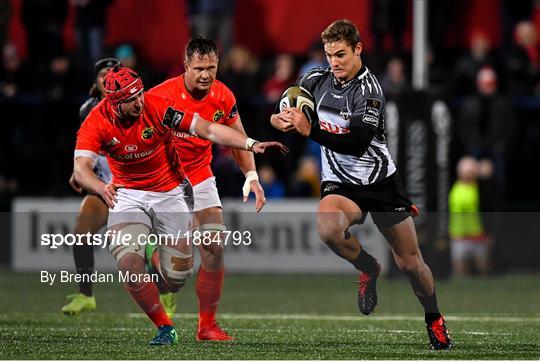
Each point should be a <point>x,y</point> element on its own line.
<point>325,317</point>
<point>397,331</point>
<point>261,330</point>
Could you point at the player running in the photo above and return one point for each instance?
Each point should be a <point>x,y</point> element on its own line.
<point>149,190</point>
<point>358,174</point>
<point>93,211</point>
<point>198,91</point>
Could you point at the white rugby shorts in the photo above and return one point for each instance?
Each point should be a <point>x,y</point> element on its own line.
<point>206,195</point>
<point>168,212</point>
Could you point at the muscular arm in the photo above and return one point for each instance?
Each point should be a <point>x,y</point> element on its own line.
<point>83,172</point>
<point>220,134</point>
<point>244,159</point>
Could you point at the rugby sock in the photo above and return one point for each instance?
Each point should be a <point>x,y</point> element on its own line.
<point>147,297</point>
<point>208,287</point>
<point>365,262</point>
<point>431,308</point>
<point>161,284</point>
<point>84,263</point>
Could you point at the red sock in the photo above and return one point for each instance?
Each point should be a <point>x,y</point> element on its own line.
<point>208,287</point>
<point>147,298</point>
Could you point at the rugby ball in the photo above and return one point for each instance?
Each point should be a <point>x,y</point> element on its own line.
<point>298,97</point>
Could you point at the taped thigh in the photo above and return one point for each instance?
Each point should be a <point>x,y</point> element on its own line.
<point>120,246</point>
<point>176,267</point>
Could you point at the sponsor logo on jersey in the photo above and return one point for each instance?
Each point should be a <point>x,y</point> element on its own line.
<point>372,112</point>
<point>113,142</point>
<point>218,115</point>
<point>332,128</point>
<point>330,187</point>
<point>172,118</point>
<point>147,133</point>
<point>345,114</point>
<point>234,112</point>
<point>131,148</point>
<point>134,156</point>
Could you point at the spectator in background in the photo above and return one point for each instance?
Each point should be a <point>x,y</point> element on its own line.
<point>480,55</point>
<point>128,56</point>
<point>5,16</point>
<point>273,187</point>
<point>388,17</point>
<point>468,238</point>
<point>12,74</point>
<point>524,60</point>
<point>394,81</point>
<point>44,21</point>
<point>90,28</point>
<point>316,58</point>
<point>486,126</point>
<point>213,19</point>
<point>284,75</point>
<point>239,71</point>
<point>307,180</point>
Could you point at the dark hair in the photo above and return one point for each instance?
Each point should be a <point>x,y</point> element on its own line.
<point>341,30</point>
<point>201,45</point>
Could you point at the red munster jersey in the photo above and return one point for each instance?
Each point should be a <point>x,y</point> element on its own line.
<point>218,106</point>
<point>141,155</point>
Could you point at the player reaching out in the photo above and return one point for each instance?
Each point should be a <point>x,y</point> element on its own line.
<point>198,91</point>
<point>149,189</point>
<point>358,174</point>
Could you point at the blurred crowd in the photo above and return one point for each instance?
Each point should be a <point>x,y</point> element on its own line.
<point>494,93</point>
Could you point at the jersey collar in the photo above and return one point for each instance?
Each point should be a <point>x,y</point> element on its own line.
<point>359,75</point>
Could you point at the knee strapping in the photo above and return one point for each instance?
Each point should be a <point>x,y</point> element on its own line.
<point>120,246</point>
<point>214,227</point>
<point>176,267</point>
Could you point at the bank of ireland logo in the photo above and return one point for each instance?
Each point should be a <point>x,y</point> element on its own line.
<point>218,115</point>
<point>131,148</point>
<point>147,133</point>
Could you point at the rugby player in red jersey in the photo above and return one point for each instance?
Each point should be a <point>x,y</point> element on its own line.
<point>149,189</point>
<point>198,91</point>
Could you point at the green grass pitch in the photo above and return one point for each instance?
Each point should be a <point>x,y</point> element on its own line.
<point>278,317</point>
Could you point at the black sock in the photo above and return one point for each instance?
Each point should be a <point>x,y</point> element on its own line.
<point>365,262</point>
<point>431,308</point>
<point>84,263</point>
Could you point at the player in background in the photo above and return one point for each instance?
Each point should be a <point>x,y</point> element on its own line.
<point>358,174</point>
<point>93,211</point>
<point>198,91</point>
<point>149,190</point>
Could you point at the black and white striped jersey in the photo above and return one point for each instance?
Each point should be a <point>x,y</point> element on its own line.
<point>359,100</point>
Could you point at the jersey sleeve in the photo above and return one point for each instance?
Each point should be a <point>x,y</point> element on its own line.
<point>89,139</point>
<point>310,79</point>
<point>172,118</point>
<point>231,108</point>
<point>368,104</point>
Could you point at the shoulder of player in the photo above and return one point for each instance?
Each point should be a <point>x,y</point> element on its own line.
<point>221,91</point>
<point>87,107</point>
<point>315,74</point>
<point>368,85</point>
<point>164,87</point>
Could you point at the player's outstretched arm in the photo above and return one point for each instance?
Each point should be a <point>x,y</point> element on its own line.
<point>227,136</point>
<point>84,175</point>
<point>246,163</point>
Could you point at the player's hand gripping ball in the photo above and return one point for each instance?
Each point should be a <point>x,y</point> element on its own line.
<point>299,97</point>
